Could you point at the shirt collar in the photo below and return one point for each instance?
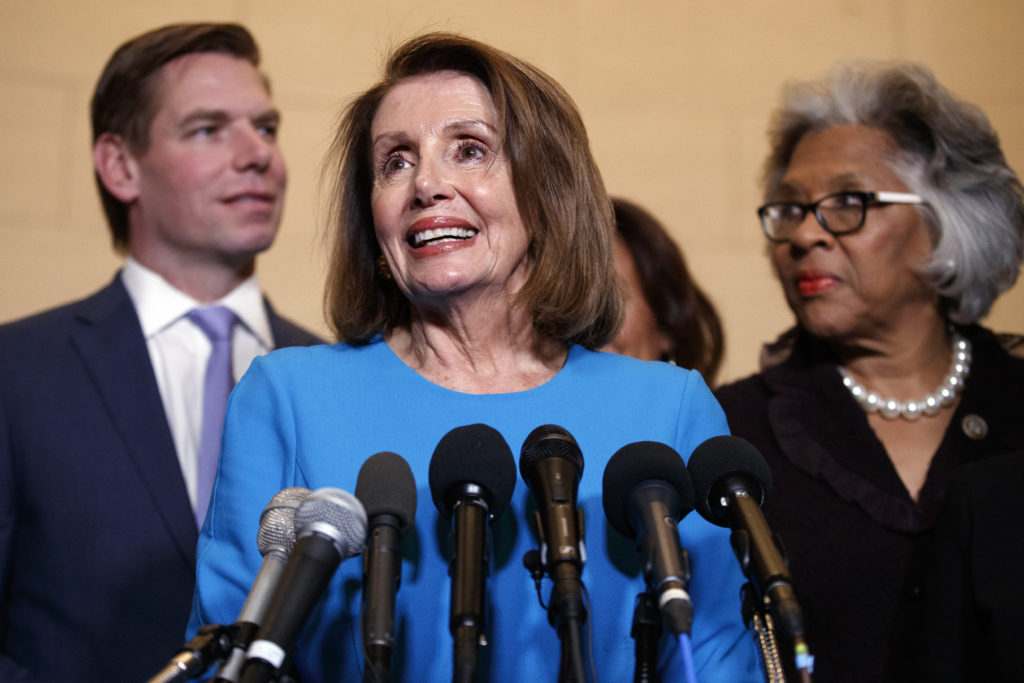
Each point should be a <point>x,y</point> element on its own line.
<point>159,304</point>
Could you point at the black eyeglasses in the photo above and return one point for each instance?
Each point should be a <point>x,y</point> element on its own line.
<point>839,213</point>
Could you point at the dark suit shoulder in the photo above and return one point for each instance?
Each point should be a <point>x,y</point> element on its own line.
<point>287,333</point>
<point>53,323</point>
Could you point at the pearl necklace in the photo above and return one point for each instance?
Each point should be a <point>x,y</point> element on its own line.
<point>931,404</point>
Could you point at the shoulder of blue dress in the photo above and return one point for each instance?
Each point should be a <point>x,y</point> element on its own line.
<point>293,356</point>
<point>625,364</point>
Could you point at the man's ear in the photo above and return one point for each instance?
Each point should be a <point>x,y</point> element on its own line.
<point>116,167</point>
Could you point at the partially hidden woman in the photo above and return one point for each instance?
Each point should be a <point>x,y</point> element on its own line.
<point>893,223</point>
<point>667,315</point>
<point>471,276</point>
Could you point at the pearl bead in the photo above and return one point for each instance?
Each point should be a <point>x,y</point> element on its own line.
<point>891,409</point>
<point>872,402</point>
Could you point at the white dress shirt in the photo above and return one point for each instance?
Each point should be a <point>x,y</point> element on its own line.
<point>179,351</point>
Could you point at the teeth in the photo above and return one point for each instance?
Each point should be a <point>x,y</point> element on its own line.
<point>441,235</point>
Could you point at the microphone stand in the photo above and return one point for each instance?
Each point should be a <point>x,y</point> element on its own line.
<point>646,631</point>
<point>566,609</point>
<point>569,613</point>
<point>211,642</point>
<point>755,612</point>
<point>778,596</point>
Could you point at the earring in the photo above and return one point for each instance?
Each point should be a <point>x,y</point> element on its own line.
<point>383,268</point>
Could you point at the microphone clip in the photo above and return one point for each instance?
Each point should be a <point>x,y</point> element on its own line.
<point>575,554</point>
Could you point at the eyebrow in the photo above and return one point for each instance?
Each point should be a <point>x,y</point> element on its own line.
<point>220,116</point>
<point>844,181</point>
<point>449,128</point>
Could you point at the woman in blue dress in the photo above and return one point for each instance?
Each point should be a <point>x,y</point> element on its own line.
<point>472,277</point>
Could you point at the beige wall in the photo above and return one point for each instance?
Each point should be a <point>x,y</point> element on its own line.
<point>675,93</point>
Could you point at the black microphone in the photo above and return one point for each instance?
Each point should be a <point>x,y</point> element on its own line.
<point>732,482</point>
<point>275,539</point>
<point>551,465</point>
<point>330,526</point>
<point>472,475</point>
<point>387,490</point>
<point>646,491</point>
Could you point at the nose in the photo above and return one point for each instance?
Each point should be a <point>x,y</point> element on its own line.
<point>432,182</point>
<point>810,233</point>
<point>254,149</point>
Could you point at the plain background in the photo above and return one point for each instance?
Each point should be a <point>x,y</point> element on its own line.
<point>676,95</point>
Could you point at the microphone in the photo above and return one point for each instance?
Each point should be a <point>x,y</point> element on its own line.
<point>331,526</point>
<point>211,642</point>
<point>387,490</point>
<point>472,475</point>
<point>275,539</point>
<point>732,482</point>
<point>551,465</point>
<point>646,491</point>
<point>276,536</point>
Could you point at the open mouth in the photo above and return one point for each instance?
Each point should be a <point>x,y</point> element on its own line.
<point>439,235</point>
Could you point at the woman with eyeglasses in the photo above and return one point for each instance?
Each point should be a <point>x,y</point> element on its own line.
<point>893,223</point>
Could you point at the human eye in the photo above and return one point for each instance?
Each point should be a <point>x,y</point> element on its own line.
<point>469,149</point>
<point>844,201</point>
<point>205,130</point>
<point>268,129</point>
<point>788,211</point>
<point>393,162</point>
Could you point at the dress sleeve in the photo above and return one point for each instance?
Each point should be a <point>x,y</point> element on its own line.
<point>257,460</point>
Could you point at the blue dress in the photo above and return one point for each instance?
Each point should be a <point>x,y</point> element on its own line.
<point>311,417</point>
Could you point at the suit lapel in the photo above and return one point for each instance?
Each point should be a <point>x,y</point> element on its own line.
<point>287,334</point>
<point>109,339</point>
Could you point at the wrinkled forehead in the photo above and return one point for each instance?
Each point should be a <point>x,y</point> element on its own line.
<point>432,100</point>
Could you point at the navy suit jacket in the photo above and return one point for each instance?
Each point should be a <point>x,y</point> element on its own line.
<point>97,537</point>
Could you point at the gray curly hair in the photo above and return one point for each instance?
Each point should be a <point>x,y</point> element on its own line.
<point>949,155</point>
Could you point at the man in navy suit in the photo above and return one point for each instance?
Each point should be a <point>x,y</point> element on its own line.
<point>101,399</point>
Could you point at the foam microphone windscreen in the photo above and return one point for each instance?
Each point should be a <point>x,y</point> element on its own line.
<point>727,460</point>
<point>636,463</point>
<point>385,486</point>
<point>476,454</point>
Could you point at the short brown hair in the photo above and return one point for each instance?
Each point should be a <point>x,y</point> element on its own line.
<point>571,290</point>
<point>124,101</point>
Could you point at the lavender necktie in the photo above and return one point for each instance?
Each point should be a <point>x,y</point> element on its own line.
<point>216,322</point>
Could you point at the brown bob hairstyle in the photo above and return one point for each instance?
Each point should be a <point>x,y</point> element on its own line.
<point>571,290</point>
<point>125,99</point>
